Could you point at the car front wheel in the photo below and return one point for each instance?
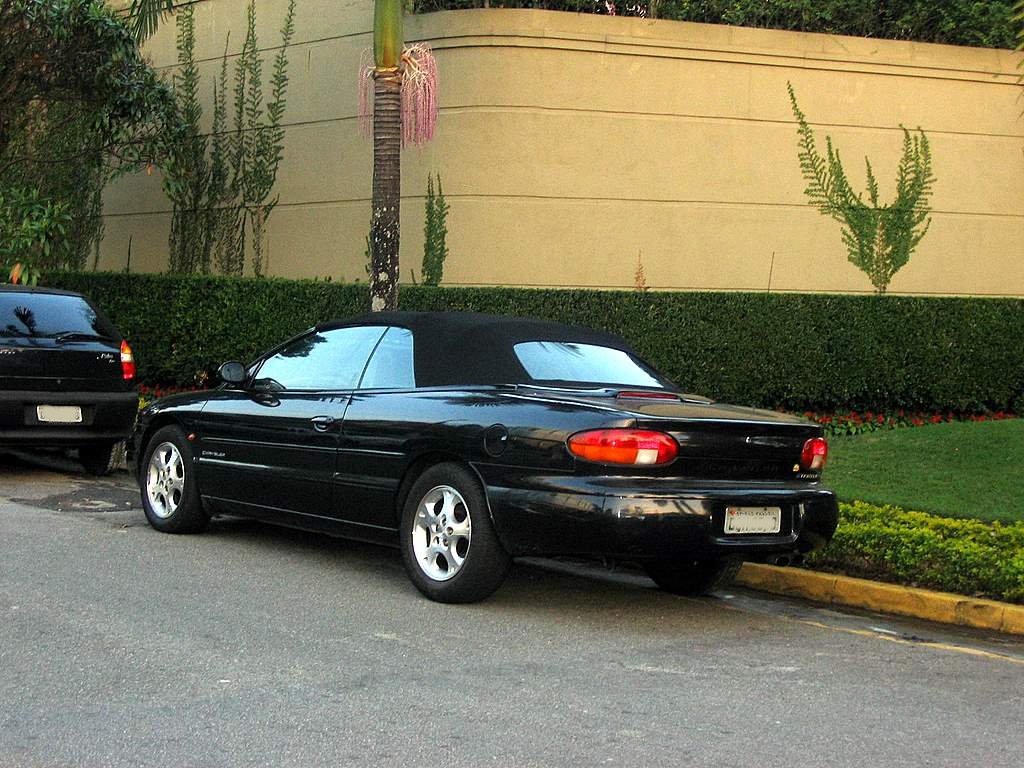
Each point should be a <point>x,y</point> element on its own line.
<point>694,577</point>
<point>170,496</point>
<point>449,546</point>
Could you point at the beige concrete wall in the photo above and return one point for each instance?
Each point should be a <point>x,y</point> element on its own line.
<point>570,143</point>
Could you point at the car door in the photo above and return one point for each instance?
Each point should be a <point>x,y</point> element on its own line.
<point>382,421</point>
<point>269,449</point>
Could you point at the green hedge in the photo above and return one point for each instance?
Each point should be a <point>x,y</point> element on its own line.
<point>964,556</point>
<point>798,351</point>
<point>958,22</point>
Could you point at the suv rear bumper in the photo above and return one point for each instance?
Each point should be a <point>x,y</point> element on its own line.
<point>106,417</point>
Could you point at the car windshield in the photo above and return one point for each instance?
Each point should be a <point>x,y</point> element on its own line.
<point>50,314</point>
<point>584,363</point>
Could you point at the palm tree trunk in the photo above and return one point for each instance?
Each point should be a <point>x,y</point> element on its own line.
<point>387,189</point>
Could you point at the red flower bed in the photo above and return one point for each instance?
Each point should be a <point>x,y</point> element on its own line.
<point>852,423</point>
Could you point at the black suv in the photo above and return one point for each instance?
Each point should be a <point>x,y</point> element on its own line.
<point>67,377</point>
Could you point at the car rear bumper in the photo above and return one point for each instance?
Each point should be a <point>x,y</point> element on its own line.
<point>106,417</point>
<point>592,516</point>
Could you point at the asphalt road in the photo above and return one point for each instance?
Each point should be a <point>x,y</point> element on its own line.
<point>251,645</point>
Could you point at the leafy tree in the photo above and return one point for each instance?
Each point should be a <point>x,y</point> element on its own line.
<point>79,54</point>
<point>879,238</point>
<point>435,234</point>
<point>56,130</point>
<point>78,106</point>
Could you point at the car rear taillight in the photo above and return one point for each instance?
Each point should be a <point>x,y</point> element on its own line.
<point>127,362</point>
<point>814,454</point>
<point>624,446</point>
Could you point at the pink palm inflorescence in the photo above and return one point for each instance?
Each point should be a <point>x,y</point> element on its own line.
<point>364,80</point>
<point>419,94</point>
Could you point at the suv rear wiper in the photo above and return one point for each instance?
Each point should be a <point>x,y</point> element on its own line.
<point>79,335</point>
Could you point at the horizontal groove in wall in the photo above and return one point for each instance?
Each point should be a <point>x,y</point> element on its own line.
<point>506,199</point>
<point>753,59</point>
<point>665,48</point>
<point>693,116</point>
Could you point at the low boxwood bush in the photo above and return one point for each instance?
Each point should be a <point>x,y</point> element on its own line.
<point>963,556</point>
<point>796,351</point>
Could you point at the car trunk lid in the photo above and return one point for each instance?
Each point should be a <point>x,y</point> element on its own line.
<point>716,441</point>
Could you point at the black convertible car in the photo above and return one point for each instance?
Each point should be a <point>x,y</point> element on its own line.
<point>469,439</point>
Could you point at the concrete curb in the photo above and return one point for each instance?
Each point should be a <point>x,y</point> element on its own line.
<point>833,589</point>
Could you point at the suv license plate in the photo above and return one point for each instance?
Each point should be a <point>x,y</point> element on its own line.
<point>63,414</point>
<point>742,520</point>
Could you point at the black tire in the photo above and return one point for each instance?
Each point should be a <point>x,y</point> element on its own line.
<point>478,564</point>
<point>99,459</point>
<point>167,468</point>
<point>694,577</point>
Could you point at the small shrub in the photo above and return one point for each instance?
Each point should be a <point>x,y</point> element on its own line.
<point>639,277</point>
<point>435,234</point>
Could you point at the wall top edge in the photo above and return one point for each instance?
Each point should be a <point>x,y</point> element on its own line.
<point>622,30</point>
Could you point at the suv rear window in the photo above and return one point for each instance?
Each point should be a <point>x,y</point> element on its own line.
<point>584,363</point>
<point>50,314</point>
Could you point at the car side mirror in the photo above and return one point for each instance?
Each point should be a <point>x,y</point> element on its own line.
<point>232,373</point>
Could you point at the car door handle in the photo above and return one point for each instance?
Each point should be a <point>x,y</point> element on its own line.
<point>322,423</point>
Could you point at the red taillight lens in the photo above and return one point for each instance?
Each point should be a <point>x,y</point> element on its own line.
<point>624,446</point>
<point>814,454</point>
<point>127,362</point>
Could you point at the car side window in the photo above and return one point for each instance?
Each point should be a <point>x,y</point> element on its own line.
<point>391,366</point>
<point>330,360</point>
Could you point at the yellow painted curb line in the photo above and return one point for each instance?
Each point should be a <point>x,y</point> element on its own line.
<point>830,588</point>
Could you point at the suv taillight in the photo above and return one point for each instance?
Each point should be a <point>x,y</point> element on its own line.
<point>624,446</point>
<point>127,362</point>
<point>814,454</point>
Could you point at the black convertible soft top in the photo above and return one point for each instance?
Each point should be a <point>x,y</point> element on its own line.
<point>475,348</point>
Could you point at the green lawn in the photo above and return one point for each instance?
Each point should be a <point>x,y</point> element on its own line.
<point>960,469</point>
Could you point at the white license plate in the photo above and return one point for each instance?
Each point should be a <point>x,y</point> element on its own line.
<point>63,414</point>
<point>753,520</point>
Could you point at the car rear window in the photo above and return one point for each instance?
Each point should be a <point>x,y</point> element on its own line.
<point>584,363</point>
<point>50,314</point>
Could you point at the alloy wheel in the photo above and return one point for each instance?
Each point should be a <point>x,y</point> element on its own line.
<point>165,480</point>
<point>441,532</point>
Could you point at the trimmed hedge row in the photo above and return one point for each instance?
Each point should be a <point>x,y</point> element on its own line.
<point>964,556</point>
<point>797,351</point>
<point>960,22</point>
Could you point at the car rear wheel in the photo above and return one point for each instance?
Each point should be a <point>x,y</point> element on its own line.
<point>694,577</point>
<point>170,496</point>
<point>449,546</point>
<point>100,459</point>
